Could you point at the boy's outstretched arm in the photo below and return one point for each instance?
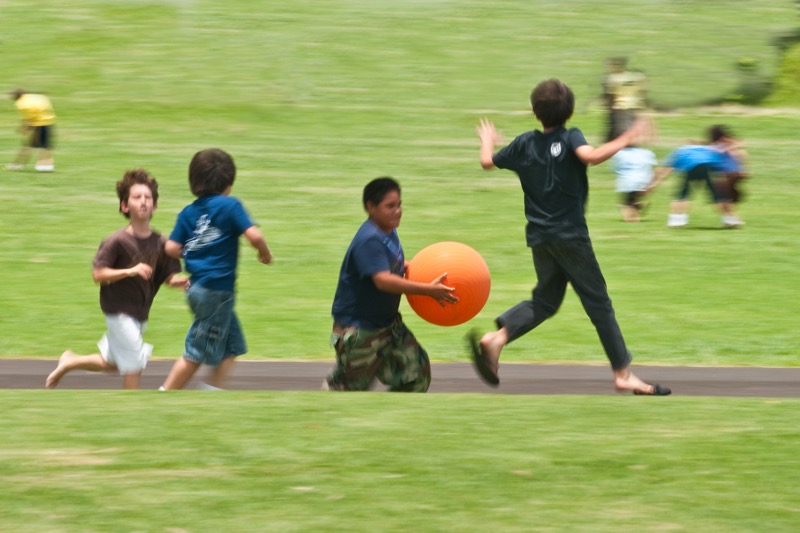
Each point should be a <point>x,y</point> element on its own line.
<point>658,177</point>
<point>487,133</point>
<point>591,155</point>
<point>256,238</point>
<point>388,282</point>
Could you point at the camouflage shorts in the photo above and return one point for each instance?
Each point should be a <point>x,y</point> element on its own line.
<point>392,355</point>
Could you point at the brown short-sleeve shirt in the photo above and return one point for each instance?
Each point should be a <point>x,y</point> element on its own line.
<point>133,296</point>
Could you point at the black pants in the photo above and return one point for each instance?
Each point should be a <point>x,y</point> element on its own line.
<point>557,264</point>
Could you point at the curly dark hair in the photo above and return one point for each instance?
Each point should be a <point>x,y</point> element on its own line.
<point>137,176</point>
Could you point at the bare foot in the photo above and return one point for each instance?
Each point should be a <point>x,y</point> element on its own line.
<point>491,345</point>
<point>61,369</point>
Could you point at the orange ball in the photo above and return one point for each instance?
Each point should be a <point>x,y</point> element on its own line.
<point>467,273</point>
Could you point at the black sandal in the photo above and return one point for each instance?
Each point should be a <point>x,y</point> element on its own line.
<point>658,390</point>
<point>479,360</point>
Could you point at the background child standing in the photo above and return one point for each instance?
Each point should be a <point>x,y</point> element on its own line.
<point>206,235</point>
<point>634,167</point>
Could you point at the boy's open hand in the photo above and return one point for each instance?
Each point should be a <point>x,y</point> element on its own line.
<point>441,292</point>
<point>642,131</point>
<point>487,132</point>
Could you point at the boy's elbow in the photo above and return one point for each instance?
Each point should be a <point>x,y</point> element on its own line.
<point>97,276</point>
<point>487,164</point>
<point>173,249</point>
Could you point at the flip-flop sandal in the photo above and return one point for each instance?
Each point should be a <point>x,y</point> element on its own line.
<point>658,390</point>
<point>480,361</point>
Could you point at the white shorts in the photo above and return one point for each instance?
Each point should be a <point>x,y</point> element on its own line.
<point>123,345</point>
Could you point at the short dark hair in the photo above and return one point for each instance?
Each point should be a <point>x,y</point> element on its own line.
<point>718,132</point>
<point>552,102</point>
<point>137,176</point>
<point>17,94</point>
<point>376,190</point>
<point>211,172</point>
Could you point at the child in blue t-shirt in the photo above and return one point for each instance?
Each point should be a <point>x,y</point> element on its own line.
<point>700,163</point>
<point>206,235</point>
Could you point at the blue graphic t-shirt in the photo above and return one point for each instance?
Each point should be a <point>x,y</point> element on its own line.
<point>358,302</point>
<point>209,230</point>
<point>685,158</point>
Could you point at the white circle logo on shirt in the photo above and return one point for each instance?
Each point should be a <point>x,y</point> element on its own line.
<point>555,149</point>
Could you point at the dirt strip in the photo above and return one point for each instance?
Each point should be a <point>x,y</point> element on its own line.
<point>447,378</point>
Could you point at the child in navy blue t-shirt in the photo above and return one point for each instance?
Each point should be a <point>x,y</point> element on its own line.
<point>369,336</point>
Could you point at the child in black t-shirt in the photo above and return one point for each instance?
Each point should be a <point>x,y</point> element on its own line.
<point>551,165</point>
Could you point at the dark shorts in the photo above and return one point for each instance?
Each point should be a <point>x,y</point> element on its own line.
<point>699,173</point>
<point>729,186</point>
<point>41,137</point>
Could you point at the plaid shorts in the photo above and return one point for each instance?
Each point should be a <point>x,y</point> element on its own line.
<point>391,354</point>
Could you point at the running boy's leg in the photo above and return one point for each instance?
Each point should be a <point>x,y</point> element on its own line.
<point>579,262</point>
<point>235,347</point>
<point>587,280</point>
<point>406,366</point>
<point>358,358</point>
<point>182,371</point>
<point>70,361</point>
<point>545,301</point>
<point>206,340</point>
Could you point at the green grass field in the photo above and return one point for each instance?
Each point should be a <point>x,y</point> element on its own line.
<point>378,462</point>
<point>314,99</point>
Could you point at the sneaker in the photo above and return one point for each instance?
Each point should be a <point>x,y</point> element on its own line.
<point>205,386</point>
<point>15,166</point>
<point>677,220</point>
<point>45,168</point>
<point>732,221</point>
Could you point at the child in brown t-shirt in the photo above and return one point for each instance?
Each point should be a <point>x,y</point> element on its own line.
<point>130,266</point>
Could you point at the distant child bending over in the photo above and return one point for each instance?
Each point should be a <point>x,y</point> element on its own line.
<point>551,165</point>
<point>702,163</point>
<point>633,166</point>
<point>38,128</point>
<point>206,235</point>
<point>369,336</point>
<point>130,266</point>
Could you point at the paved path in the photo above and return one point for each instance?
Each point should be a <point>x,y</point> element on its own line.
<point>447,377</point>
